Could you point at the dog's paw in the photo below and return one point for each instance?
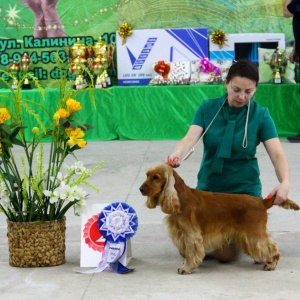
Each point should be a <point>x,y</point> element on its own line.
<point>270,266</point>
<point>184,271</point>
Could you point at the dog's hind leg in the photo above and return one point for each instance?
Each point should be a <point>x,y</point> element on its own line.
<point>274,256</point>
<point>262,249</point>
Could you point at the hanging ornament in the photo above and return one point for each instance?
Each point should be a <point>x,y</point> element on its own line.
<point>124,31</point>
<point>218,37</point>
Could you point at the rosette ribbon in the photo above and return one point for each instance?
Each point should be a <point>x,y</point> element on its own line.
<point>162,68</point>
<point>219,37</point>
<point>125,31</point>
<point>117,223</point>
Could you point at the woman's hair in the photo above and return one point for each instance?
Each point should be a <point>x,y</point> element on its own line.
<point>243,68</point>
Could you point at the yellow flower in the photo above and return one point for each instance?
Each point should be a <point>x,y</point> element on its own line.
<point>63,114</point>
<point>81,143</point>
<point>4,115</point>
<point>73,106</point>
<point>60,114</point>
<point>1,148</point>
<point>35,130</point>
<point>75,137</point>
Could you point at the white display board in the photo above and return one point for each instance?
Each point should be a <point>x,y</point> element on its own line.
<point>145,47</point>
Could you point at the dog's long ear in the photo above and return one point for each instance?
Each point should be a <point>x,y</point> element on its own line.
<point>168,199</point>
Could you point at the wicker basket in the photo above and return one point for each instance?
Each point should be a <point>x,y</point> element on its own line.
<point>36,244</point>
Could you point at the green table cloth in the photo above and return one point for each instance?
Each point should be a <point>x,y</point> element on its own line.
<point>161,112</point>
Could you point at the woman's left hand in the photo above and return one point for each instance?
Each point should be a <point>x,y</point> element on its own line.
<point>281,191</point>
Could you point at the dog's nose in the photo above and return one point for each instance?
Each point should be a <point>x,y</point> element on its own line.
<point>142,190</point>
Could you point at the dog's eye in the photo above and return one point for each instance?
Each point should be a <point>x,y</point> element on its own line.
<point>155,177</point>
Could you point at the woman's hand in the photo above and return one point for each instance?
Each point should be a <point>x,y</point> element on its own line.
<point>280,192</point>
<point>173,160</point>
<point>183,148</point>
<point>279,160</point>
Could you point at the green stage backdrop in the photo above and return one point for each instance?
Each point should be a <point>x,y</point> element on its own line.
<point>158,112</point>
<point>42,27</point>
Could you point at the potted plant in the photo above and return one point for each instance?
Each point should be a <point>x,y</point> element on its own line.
<point>38,188</point>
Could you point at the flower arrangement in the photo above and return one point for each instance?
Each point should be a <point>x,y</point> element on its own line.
<point>35,187</point>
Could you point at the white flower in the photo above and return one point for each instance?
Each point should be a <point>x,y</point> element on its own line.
<point>59,178</point>
<point>79,193</point>
<point>81,203</point>
<point>77,168</point>
<point>54,196</point>
<point>5,201</point>
<point>4,196</point>
<point>65,192</point>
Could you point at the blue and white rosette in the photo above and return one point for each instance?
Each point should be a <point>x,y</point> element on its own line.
<point>117,223</point>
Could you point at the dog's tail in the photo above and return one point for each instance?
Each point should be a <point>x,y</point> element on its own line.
<point>287,204</point>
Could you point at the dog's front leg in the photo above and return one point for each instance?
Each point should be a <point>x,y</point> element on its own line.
<point>194,253</point>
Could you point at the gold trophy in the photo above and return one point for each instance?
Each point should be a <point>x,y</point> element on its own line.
<point>25,60</point>
<point>78,62</point>
<point>103,55</point>
<point>77,70</point>
<point>100,73</point>
<point>90,57</point>
<point>278,65</point>
<point>14,70</point>
<point>78,49</point>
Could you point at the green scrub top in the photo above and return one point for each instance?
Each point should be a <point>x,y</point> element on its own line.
<point>229,165</point>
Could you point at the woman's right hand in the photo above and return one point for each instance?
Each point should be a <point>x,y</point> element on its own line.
<point>173,160</point>
<point>183,148</point>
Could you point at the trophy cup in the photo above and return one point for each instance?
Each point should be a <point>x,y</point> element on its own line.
<point>103,55</point>
<point>14,70</point>
<point>25,60</point>
<point>90,57</point>
<point>78,56</point>
<point>78,49</point>
<point>100,73</point>
<point>77,70</point>
<point>278,65</point>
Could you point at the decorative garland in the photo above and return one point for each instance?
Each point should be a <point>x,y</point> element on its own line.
<point>12,15</point>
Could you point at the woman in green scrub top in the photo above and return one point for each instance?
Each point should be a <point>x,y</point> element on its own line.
<point>232,126</point>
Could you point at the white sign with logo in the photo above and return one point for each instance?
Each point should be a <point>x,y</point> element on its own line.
<point>145,47</point>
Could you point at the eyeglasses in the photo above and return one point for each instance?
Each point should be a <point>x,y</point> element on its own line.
<point>239,92</point>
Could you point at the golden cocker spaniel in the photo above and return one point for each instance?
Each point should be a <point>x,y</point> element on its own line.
<point>200,222</point>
